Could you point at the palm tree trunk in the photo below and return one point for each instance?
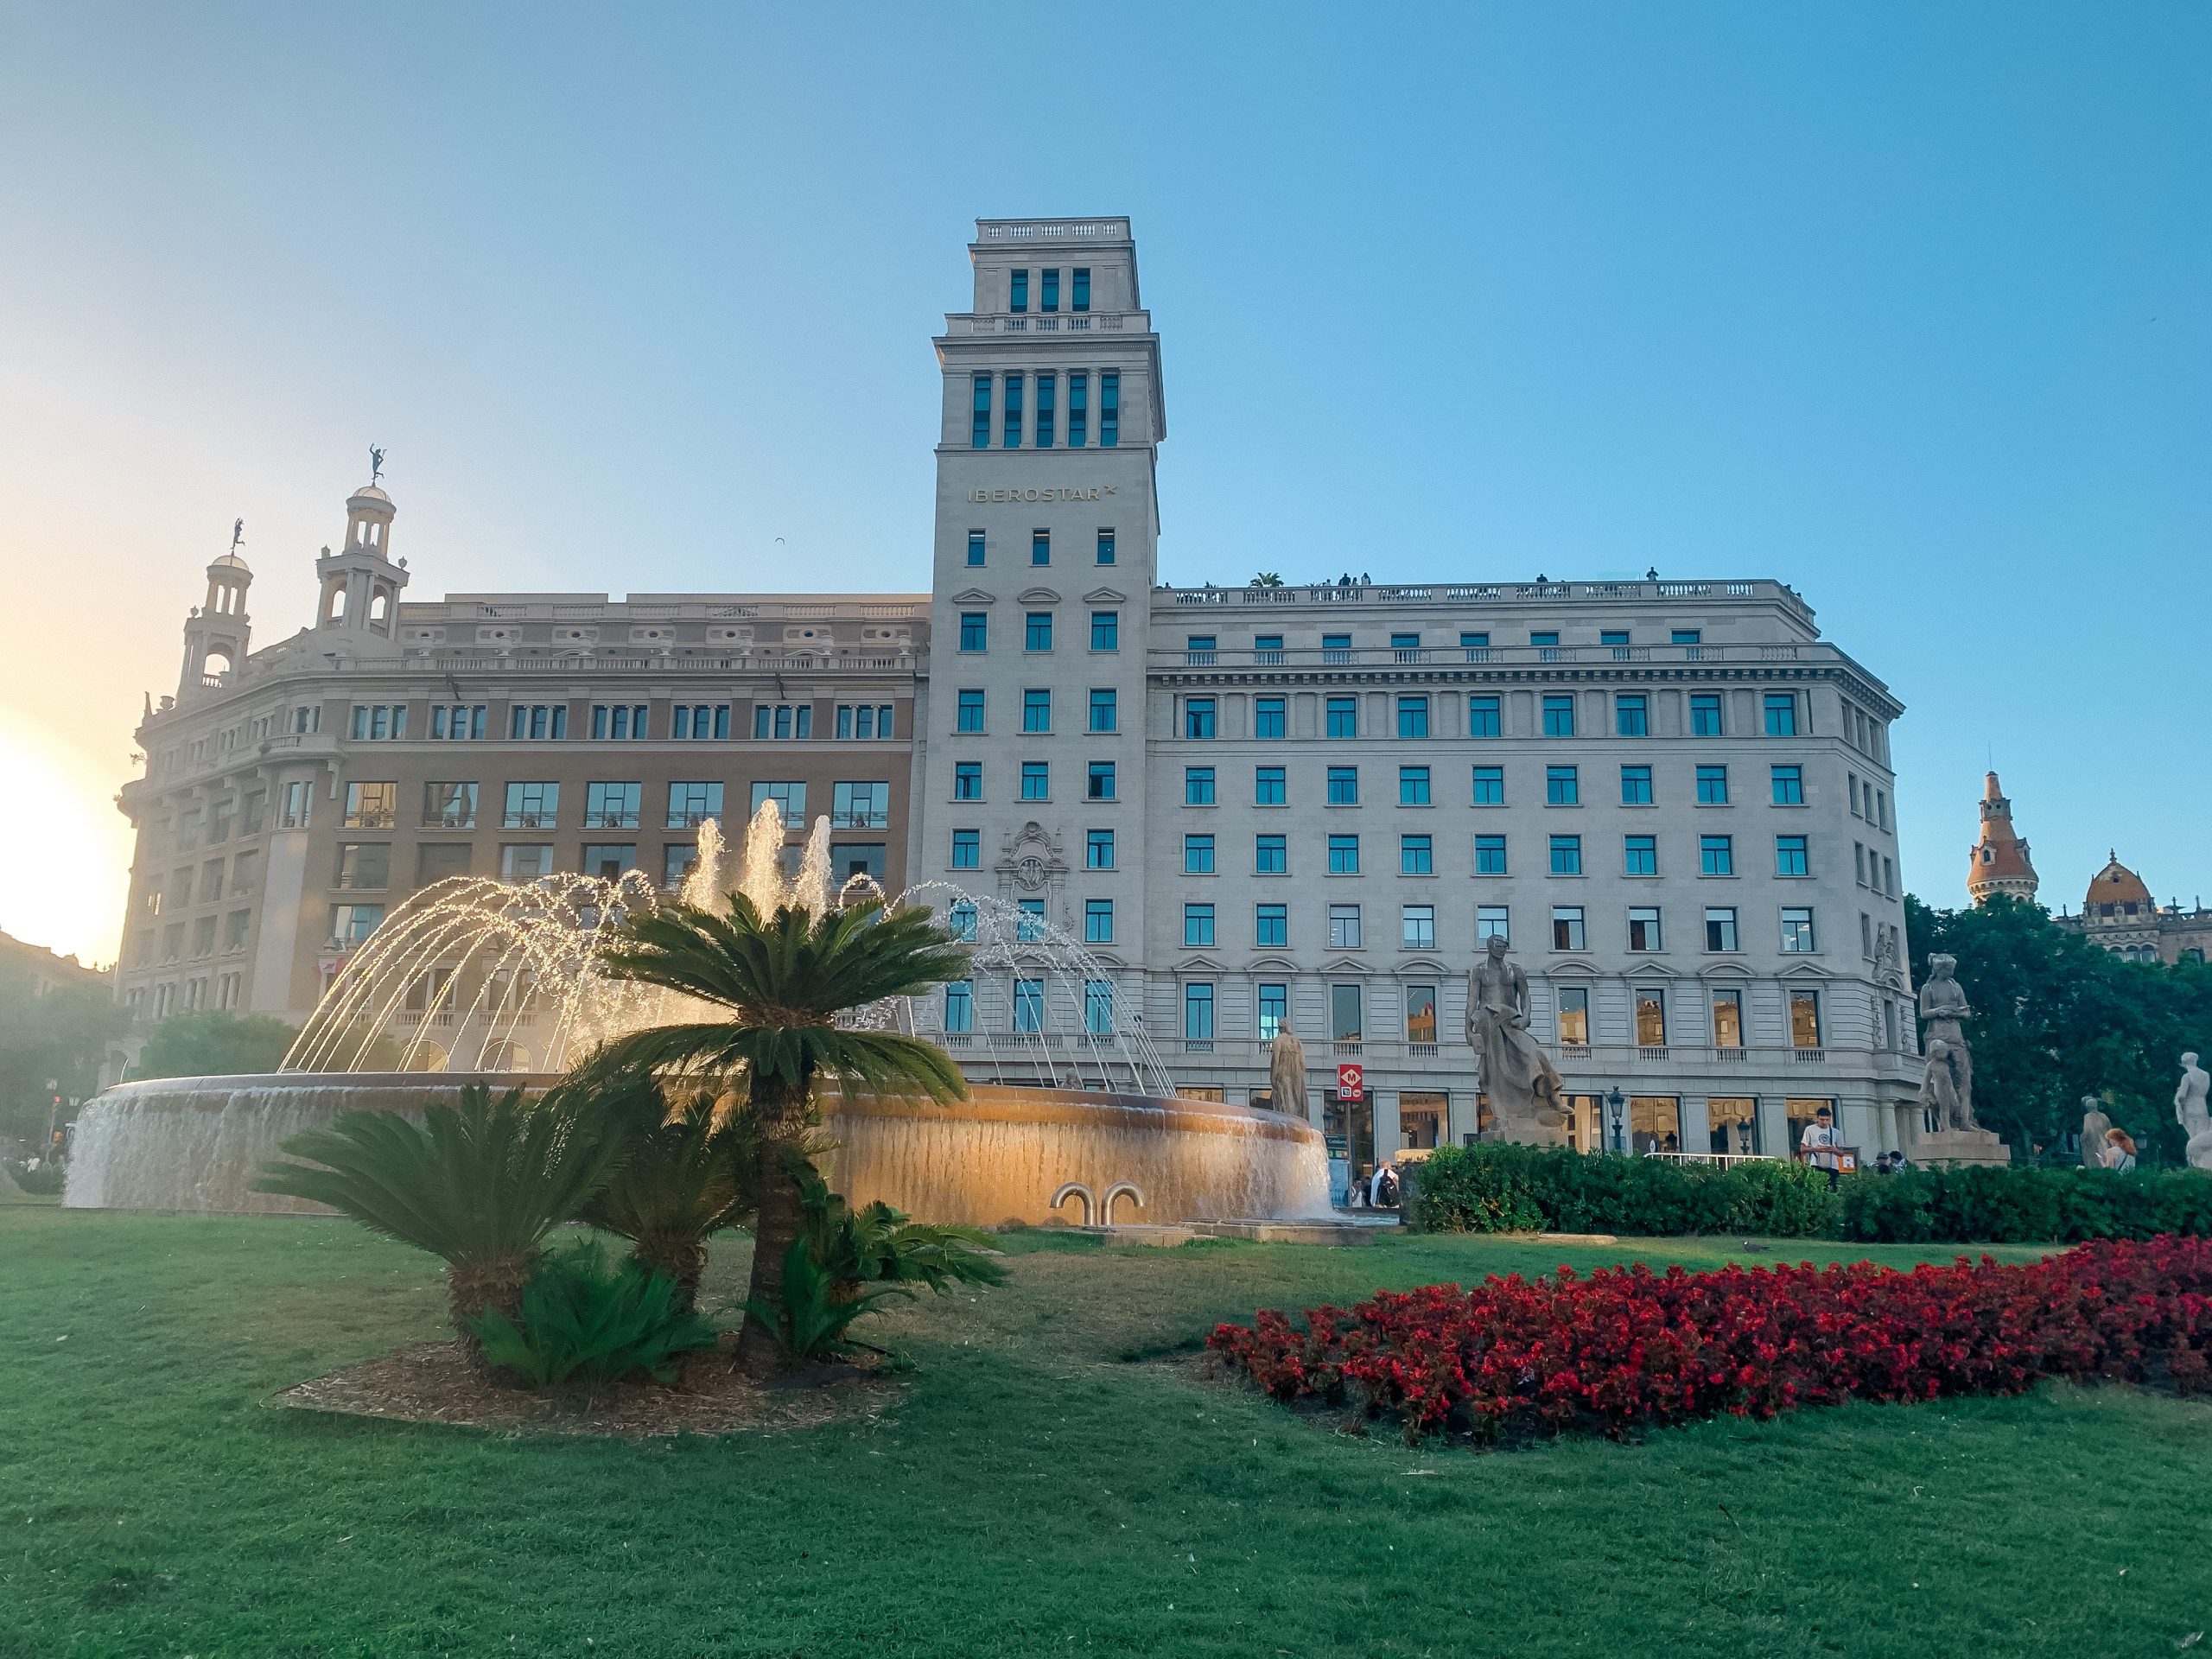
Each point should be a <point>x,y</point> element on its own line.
<point>783,1124</point>
<point>475,1287</point>
<point>682,1257</point>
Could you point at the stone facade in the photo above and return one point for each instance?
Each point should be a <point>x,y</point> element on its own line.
<point>1673,796</point>
<point>2119,914</point>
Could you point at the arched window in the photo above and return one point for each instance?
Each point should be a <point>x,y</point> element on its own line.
<point>379,604</point>
<point>336,610</point>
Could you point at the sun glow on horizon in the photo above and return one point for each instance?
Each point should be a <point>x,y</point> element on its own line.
<point>65,851</point>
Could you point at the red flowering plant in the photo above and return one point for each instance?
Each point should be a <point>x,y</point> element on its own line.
<point>1627,1349</point>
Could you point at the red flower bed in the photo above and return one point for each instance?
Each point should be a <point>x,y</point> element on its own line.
<point>1626,1349</point>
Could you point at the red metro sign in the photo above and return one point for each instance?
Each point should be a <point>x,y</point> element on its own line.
<point>1352,1082</point>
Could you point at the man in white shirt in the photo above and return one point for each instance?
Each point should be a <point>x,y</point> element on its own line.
<point>1819,1143</point>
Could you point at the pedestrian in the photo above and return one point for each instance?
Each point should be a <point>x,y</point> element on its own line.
<point>1818,1146</point>
<point>2119,1150</point>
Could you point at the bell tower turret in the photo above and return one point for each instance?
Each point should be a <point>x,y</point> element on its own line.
<point>217,632</point>
<point>360,584</point>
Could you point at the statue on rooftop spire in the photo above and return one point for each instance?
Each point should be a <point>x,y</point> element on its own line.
<point>375,463</point>
<point>238,534</point>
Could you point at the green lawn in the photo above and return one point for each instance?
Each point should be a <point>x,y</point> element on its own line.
<point>1034,1493</point>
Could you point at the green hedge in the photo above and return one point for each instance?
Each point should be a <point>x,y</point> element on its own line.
<point>2026,1205</point>
<point>1498,1189</point>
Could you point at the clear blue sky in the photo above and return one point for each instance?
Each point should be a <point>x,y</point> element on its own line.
<point>1904,305</point>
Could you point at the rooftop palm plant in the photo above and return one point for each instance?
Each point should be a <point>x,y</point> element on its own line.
<point>479,1184</point>
<point>783,980</point>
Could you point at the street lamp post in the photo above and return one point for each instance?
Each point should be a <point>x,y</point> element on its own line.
<point>1616,1104</point>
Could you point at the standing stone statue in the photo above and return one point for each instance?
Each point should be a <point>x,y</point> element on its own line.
<point>2093,1125</point>
<point>1939,1088</point>
<point>1942,1005</point>
<point>1513,1069</point>
<point>2195,1117</point>
<point>1287,1072</point>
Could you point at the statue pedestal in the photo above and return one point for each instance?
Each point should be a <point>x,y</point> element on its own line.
<point>1958,1146</point>
<point>1525,1131</point>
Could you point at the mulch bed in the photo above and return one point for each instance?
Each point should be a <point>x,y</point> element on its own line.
<point>435,1383</point>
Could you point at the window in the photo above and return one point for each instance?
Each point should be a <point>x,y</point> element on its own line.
<point>959,1005</point>
<point>1562,786</point>
<point>1036,780</point>
<point>1268,720</point>
<point>1650,1019</point>
<point>1789,856</point>
<point>535,721</point>
<point>1566,854</point>
<point>1028,1005</point>
<point>1098,1008</point>
<point>361,864</point>
<point>1274,1008</point>
<point>1544,637</point>
<point>967,849</point>
<point>863,721</point>
<point>299,802</point>
<point>618,722</point>
<point>1559,716</point>
<point>1716,855</point>
<point>1418,922</point>
<point>859,806</point>
<point>1631,715</point>
<point>1705,714</point>
<point>1271,856</point>
<point>1566,927</point>
<point>1413,716</point>
<point>1047,384</point>
<point>1036,710</point>
<point>960,921</point>
<point>1804,1019</point>
<point>1612,636</point>
<point>1198,854</point>
<point>1037,633</point>
<point>1788,786</point>
<point>1197,717</point>
<point>449,806</point>
<point>1640,855</point>
<point>1109,410</point>
<point>1099,921</point>
<point>459,720</point>
<point>1271,925</point>
<point>1476,645</point>
<point>1643,928</point>
<point>377,722</point>
<point>1413,785</point>
<point>1079,408</point>
<point>1105,546</point>
<point>1405,642</point>
<point>1493,921</point>
<point>1346,1009</point>
<point>368,806</point>
<point>308,719</point>
<point>611,806</point>
<point>1796,930</point>
<point>1482,716</point>
<point>1490,855</point>
<point>1489,786</point>
<point>975,630</point>
<point>1781,713</point>
<point>967,715</point>
<point>1636,785</point>
<point>699,721</point>
<point>968,780</point>
<point>1685,636</point>
<point>1344,927</point>
<point>350,925</point>
<point>1099,784</point>
<point>1105,711</point>
<point>1018,292</point>
<point>977,544</point>
<point>1079,287</point>
<point>1270,786</point>
<point>1105,630</point>
<point>1029,920</point>
<point>789,799</point>
<point>1713,786</point>
<point>1098,849</point>
<point>1197,1013</point>
<point>524,863</point>
<point>1344,854</point>
<point>1720,927</point>
<point>782,721</point>
<point>1344,785</point>
<point>979,434</point>
<point>1574,1016</point>
<point>1416,855</point>
<point>1010,423</point>
<point>1198,927</point>
<point>1728,1019</point>
<point>1040,541</point>
<point>1343,717</point>
<point>609,862</point>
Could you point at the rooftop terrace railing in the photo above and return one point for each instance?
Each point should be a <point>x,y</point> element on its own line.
<point>1302,657</point>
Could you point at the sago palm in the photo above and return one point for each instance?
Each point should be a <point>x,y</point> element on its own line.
<point>686,1172</point>
<point>479,1184</point>
<point>783,980</point>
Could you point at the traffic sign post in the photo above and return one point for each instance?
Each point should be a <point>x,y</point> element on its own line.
<point>1352,1082</point>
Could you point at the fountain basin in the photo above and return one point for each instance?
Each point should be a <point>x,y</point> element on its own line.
<point>195,1144</point>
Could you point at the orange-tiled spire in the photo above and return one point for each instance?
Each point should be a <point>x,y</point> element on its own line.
<point>1998,862</point>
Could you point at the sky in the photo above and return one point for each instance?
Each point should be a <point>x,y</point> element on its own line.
<point>1904,305</point>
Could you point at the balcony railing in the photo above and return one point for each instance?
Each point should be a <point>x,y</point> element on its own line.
<point>1296,657</point>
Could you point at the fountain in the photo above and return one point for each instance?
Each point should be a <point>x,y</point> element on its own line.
<point>473,980</point>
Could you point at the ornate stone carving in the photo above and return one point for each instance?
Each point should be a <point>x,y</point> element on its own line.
<point>1943,1005</point>
<point>1287,1072</point>
<point>1513,1069</point>
<point>2193,1114</point>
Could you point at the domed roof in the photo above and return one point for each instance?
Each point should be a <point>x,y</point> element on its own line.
<point>371,492</point>
<point>2116,884</point>
<point>229,561</point>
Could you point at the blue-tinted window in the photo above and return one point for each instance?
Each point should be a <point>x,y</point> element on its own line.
<point>976,543</point>
<point>1716,855</point>
<point>1566,854</point>
<point>1274,1009</point>
<point>1490,855</point>
<point>1038,633</point>
<point>1686,637</point>
<point>968,780</point>
<point>1271,856</point>
<point>1029,1005</point>
<point>1559,716</point>
<point>1079,280</point>
<point>975,630</point>
<point>1010,427</point>
<point>1417,923</point>
<point>1036,780</point>
<point>1344,785</point>
<point>1272,924</point>
<point>1640,855</point>
<point>1037,710</point>
<point>1102,781</point>
<point>1047,413</point>
<point>967,849</point>
<point>1198,854</point>
<point>1789,856</point>
<point>1098,1007</point>
<point>1197,786</point>
<point>981,437</point>
<point>1105,712</point>
<point>1612,636</point>
<point>1343,717</point>
<point>1098,849</point>
<point>1416,855</point>
<point>960,1004</point>
<point>1713,786</point>
<point>1705,714</point>
<point>1489,786</point>
<point>1413,786</point>
<point>1040,547</point>
<point>1105,630</point>
<point>1099,921</point>
<point>1269,787</point>
<point>1078,410</point>
<point>1105,547</point>
<point>1413,716</point>
<point>1197,717</point>
<point>1197,1014</point>
<point>1781,713</point>
<point>1344,854</point>
<point>1052,290</point>
<point>1267,719</point>
<point>1562,786</point>
<point>1631,715</point>
<point>1544,637</point>
<point>1636,785</point>
<point>1109,410</point>
<point>1018,291</point>
<point>1788,786</point>
<point>1197,926</point>
<point>1482,717</point>
<point>969,718</point>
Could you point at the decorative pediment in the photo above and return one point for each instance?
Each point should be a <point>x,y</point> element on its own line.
<point>1570,970</point>
<point>1107,959</point>
<point>1652,971</point>
<point>1724,970</point>
<point>1271,965</point>
<point>1806,971</point>
<point>974,596</point>
<point>1346,965</point>
<point>1198,964</point>
<point>1038,596</point>
<point>1105,596</point>
<point>1422,967</point>
<point>1032,857</point>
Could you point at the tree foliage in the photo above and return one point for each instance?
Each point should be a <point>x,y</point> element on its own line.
<point>2057,1017</point>
<point>215,1043</point>
<point>58,1038</point>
